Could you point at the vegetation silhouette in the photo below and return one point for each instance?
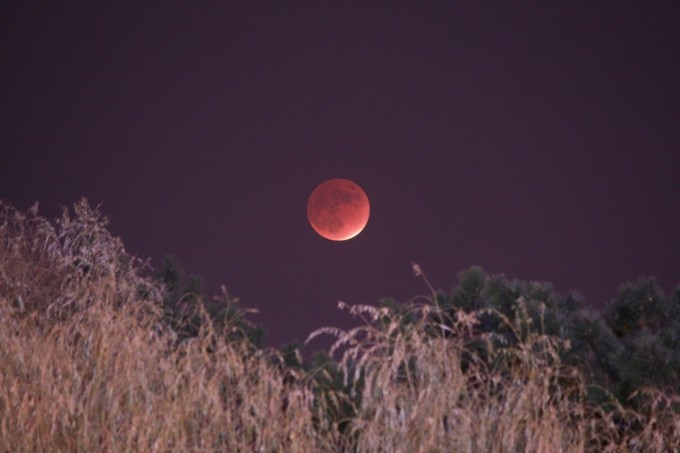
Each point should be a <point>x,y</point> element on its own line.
<point>99,354</point>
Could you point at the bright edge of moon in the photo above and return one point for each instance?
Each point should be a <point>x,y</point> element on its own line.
<point>338,209</point>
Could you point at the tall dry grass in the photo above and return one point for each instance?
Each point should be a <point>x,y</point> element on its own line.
<point>89,362</point>
<point>428,393</point>
<point>107,380</point>
<point>428,380</point>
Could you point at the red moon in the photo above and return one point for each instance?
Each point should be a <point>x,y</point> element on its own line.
<point>338,209</point>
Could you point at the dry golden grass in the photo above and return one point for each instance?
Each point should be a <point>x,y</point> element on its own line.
<point>107,381</point>
<point>424,393</point>
<point>89,364</point>
<point>424,388</point>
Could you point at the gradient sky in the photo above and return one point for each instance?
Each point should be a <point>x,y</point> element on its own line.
<point>537,139</point>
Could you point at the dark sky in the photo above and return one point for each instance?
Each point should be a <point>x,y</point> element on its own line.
<point>539,139</point>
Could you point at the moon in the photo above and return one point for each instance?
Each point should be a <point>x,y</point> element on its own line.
<point>338,209</point>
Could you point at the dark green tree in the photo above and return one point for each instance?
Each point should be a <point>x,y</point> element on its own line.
<point>647,323</point>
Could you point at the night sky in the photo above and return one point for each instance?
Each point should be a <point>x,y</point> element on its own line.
<point>536,139</point>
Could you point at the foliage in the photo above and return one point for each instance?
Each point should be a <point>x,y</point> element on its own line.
<point>97,356</point>
<point>647,324</point>
<point>51,270</point>
<point>185,298</point>
<point>88,361</point>
<point>502,366</point>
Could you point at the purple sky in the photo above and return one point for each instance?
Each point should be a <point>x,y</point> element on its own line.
<point>540,140</point>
